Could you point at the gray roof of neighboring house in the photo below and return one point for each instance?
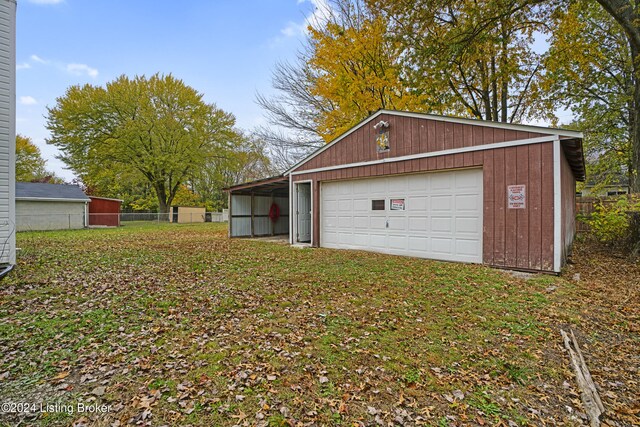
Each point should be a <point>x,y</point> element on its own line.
<point>44,192</point>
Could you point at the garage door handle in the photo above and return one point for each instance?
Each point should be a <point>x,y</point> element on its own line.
<point>387,223</point>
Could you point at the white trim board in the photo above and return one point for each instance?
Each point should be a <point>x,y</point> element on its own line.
<point>493,146</point>
<point>557,207</point>
<point>293,203</point>
<point>447,119</point>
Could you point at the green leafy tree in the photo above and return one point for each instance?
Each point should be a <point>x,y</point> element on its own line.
<point>471,58</point>
<point>29,162</point>
<point>158,129</point>
<point>247,161</point>
<point>30,166</point>
<point>627,15</point>
<point>589,70</point>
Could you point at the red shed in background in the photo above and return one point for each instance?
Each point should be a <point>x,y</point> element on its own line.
<point>103,211</point>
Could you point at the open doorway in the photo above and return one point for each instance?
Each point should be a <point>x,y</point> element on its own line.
<point>303,209</point>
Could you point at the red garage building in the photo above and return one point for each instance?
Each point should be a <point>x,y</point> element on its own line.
<point>105,212</point>
<point>434,187</point>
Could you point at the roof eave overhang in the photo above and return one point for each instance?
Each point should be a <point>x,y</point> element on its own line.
<point>51,199</point>
<point>264,185</point>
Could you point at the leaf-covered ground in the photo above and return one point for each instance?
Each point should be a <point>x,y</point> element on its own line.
<point>178,325</point>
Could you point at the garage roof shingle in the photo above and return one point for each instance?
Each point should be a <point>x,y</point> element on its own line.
<point>40,191</point>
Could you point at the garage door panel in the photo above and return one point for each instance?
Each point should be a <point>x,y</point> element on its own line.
<point>418,204</point>
<point>378,241</point>
<point>361,240</point>
<point>346,189</point>
<point>330,205</point>
<point>441,224</point>
<point>467,202</point>
<point>330,222</point>
<point>418,243</point>
<point>397,223</point>
<point>418,223</point>
<point>397,184</point>
<point>345,205</point>
<point>378,223</point>
<point>441,245</point>
<point>361,205</point>
<point>396,241</point>
<point>417,183</point>
<point>466,181</point>
<point>467,225</point>
<point>345,222</point>
<point>442,218</point>
<point>361,222</point>
<point>442,183</point>
<point>345,238</point>
<point>330,239</point>
<point>466,247</point>
<point>441,203</point>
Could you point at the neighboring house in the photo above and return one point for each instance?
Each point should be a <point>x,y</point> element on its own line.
<point>7,134</point>
<point>428,186</point>
<point>592,190</point>
<point>50,207</point>
<point>104,211</point>
<point>186,214</point>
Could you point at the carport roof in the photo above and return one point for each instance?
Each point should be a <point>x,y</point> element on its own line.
<point>267,185</point>
<point>49,192</point>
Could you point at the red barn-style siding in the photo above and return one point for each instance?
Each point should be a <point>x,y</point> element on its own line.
<point>568,184</point>
<point>105,212</point>
<point>512,238</point>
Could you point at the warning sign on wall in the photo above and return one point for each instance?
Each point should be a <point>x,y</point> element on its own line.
<point>516,197</point>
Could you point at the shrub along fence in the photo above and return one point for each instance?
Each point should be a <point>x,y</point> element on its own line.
<point>612,220</point>
<point>586,206</point>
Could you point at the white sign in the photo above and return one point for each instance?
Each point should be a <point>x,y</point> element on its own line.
<point>397,204</point>
<point>516,197</point>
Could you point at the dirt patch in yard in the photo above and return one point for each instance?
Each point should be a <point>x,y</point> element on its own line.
<point>176,325</point>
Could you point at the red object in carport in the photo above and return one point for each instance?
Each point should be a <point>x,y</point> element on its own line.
<point>103,211</point>
<point>274,212</point>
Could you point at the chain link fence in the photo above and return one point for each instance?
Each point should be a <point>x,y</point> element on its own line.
<point>68,221</point>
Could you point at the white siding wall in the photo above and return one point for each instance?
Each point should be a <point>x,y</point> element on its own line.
<point>32,215</point>
<point>240,205</point>
<point>7,130</point>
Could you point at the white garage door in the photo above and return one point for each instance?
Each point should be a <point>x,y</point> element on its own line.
<point>432,215</point>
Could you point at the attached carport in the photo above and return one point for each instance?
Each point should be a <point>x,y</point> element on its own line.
<point>259,208</point>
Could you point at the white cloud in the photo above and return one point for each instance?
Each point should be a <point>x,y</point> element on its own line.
<point>82,69</point>
<point>28,100</point>
<point>36,58</point>
<point>46,1</point>
<point>292,29</point>
<point>23,66</point>
<point>321,11</point>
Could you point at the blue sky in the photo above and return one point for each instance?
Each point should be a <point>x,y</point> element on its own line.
<point>225,49</point>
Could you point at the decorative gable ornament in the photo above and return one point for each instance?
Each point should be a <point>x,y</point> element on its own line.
<point>382,138</point>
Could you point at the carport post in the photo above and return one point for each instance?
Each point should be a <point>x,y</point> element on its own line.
<point>252,214</point>
<point>271,223</point>
<point>230,214</point>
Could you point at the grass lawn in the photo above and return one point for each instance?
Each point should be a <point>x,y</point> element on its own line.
<point>173,324</point>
